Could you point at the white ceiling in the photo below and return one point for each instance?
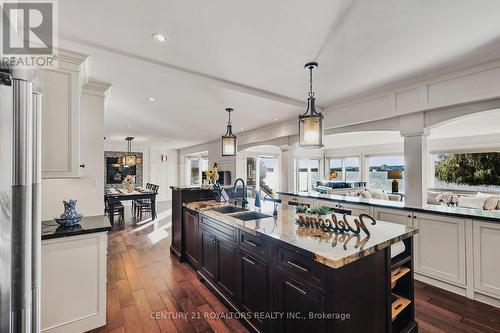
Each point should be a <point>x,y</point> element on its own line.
<point>250,55</point>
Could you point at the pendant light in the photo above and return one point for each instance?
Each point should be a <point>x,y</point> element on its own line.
<point>129,160</point>
<point>229,139</point>
<point>311,122</point>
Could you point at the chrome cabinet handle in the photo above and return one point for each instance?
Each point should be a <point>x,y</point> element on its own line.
<point>304,269</point>
<point>249,261</point>
<point>303,292</point>
<point>250,243</point>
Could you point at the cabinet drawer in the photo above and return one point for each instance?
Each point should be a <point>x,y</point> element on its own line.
<point>306,268</point>
<point>255,245</point>
<point>222,230</point>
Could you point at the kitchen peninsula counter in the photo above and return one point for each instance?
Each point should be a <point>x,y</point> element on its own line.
<point>478,214</point>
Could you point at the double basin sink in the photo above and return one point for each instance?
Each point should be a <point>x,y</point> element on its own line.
<point>244,214</point>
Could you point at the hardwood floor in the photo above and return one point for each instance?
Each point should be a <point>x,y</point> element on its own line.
<point>148,291</point>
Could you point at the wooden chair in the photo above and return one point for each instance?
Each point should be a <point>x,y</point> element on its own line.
<point>144,206</point>
<point>118,209</point>
<point>135,202</point>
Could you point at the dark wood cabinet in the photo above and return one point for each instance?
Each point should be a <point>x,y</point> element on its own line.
<point>208,254</point>
<point>254,291</point>
<point>226,264</point>
<point>181,196</point>
<point>190,234</point>
<point>297,301</point>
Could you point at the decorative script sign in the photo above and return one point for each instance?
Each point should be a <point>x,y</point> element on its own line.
<point>330,223</point>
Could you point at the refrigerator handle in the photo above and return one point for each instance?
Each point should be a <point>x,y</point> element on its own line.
<point>36,233</point>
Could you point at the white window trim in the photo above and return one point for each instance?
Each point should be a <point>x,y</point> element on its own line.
<point>200,156</point>
<point>326,169</point>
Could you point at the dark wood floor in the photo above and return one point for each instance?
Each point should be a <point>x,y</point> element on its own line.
<point>148,291</point>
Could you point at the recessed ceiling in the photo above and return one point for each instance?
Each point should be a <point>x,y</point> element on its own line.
<point>250,55</point>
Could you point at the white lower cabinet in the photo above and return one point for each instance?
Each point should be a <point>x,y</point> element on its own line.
<point>295,200</point>
<point>486,248</point>
<point>393,215</point>
<point>440,247</point>
<point>355,209</point>
<point>73,294</point>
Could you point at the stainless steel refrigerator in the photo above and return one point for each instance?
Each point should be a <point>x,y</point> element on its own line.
<point>20,219</point>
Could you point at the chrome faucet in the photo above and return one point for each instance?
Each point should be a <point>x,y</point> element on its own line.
<point>244,200</point>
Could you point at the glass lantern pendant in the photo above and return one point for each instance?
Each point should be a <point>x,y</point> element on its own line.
<point>311,122</point>
<point>129,160</point>
<point>229,139</point>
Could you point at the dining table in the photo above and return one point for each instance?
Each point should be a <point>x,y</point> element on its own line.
<point>114,195</point>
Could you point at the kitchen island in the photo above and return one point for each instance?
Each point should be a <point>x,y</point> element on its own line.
<point>280,277</point>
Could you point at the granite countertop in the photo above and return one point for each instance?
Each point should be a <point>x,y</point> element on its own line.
<point>88,225</point>
<point>333,250</point>
<point>191,188</point>
<point>492,216</point>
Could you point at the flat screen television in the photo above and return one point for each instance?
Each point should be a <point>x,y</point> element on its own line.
<point>116,173</point>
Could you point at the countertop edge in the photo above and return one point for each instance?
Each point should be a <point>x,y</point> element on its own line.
<point>77,233</point>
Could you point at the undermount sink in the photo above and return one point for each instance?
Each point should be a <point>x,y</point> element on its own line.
<point>228,209</point>
<point>248,216</point>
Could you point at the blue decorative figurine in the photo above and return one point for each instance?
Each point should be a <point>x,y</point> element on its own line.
<point>70,216</point>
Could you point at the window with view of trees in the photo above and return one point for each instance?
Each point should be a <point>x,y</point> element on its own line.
<point>344,169</point>
<point>467,171</point>
<point>378,167</point>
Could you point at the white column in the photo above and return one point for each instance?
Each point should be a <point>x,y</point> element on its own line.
<point>415,146</point>
<point>415,152</point>
<point>284,163</point>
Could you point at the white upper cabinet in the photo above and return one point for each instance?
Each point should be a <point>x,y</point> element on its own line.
<point>61,115</point>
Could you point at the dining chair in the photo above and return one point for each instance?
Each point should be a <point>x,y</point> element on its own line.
<point>144,206</point>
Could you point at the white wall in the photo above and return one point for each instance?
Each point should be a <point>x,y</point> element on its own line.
<point>89,189</point>
<point>153,171</point>
<point>214,149</point>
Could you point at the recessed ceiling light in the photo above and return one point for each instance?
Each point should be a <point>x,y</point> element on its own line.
<point>242,128</point>
<point>275,119</point>
<point>159,37</point>
<point>151,99</point>
<point>129,126</point>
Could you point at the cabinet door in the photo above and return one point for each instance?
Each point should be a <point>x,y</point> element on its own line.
<point>486,253</point>
<point>297,302</point>
<point>60,123</point>
<point>355,209</point>
<point>253,287</point>
<point>190,233</point>
<point>208,254</point>
<point>226,263</point>
<point>440,247</point>
<point>393,215</point>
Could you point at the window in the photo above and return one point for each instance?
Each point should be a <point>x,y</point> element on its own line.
<point>196,165</point>
<point>346,169</point>
<point>307,172</point>
<point>466,171</point>
<point>378,167</point>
